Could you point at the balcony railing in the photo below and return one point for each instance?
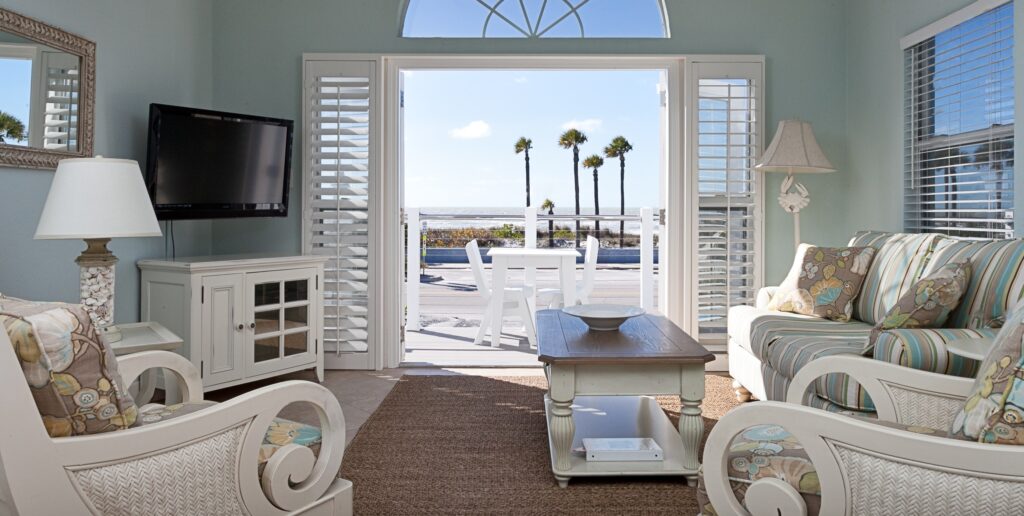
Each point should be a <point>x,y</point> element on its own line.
<point>525,235</point>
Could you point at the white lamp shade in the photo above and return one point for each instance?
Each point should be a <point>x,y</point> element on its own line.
<point>794,150</point>
<point>97,198</point>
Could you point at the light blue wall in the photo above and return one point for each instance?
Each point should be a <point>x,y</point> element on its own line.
<point>258,46</point>
<point>836,63</point>
<point>875,102</point>
<point>147,51</point>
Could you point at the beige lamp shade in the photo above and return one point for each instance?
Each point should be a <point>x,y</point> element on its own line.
<point>97,198</point>
<point>794,150</point>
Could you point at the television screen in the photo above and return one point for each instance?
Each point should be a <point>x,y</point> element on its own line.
<point>207,164</point>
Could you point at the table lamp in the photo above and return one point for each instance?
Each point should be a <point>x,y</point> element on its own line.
<point>96,199</point>
<point>794,150</point>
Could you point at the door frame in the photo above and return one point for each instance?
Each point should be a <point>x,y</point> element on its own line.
<point>677,304</point>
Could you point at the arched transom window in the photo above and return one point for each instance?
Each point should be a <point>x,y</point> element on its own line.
<point>535,19</point>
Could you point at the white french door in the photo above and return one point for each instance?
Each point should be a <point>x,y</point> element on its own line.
<point>710,240</point>
<point>726,134</point>
<point>341,175</point>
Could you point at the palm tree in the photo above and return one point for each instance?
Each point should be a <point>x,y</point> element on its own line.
<point>618,149</point>
<point>595,162</point>
<point>11,128</point>
<point>524,145</point>
<point>572,139</point>
<point>550,206</point>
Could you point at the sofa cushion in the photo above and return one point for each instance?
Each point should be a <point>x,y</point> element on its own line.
<point>777,387</point>
<point>830,279</point>
<point>924,349</point>
<point>791,352</point>
<point>766,329</point>
<point>997,280</point>
<point>898,262</point>
<point>929,302</point>
<point>280,433</point>
<point>994,411</point>
<point>70,369</point>
<point>770,451</point>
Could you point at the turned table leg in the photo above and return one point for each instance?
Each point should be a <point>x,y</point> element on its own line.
<point>691,424</point>
<point>561,425</point>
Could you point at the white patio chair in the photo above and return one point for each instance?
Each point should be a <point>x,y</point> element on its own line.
<point>869,468</point>
<point>204,462</point>
<point>585,287</point>
<point>516,300</point>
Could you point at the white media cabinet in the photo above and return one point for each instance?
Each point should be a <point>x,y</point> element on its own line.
<point>243,318</point>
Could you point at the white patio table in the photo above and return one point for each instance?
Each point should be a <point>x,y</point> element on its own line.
<point>504,258</point>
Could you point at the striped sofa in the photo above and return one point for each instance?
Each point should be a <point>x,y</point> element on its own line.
<point>767,348</point>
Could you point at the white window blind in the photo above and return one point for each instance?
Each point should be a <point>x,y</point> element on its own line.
<point>340,154</point>
<point>60,112</point>
<point>728,132</point>
<point>959,117</point>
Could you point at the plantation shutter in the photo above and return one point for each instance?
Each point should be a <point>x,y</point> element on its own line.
<point>60,111</point>
<point>959,117</point>
<point>340,155</point>
<point>728,133</point>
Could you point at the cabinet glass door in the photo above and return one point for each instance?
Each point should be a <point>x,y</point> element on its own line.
<point>281,329</point>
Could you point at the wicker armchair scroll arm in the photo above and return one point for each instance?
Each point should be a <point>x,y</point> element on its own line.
<point>867,468</point>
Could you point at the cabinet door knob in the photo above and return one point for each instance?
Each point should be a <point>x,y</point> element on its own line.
<point>252,326</point>
<point>241,326</point>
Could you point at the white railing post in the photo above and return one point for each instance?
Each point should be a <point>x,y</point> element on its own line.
<point>531,227</point>
<point>647,258</point>
<point>412,271</point>
<point>530,242</point>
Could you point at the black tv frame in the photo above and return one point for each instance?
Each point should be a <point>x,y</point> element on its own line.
<point>183,212</point>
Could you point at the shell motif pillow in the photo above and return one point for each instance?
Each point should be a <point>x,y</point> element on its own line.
<point>930,301</point>
<point>830,279</point>
<point>994,412</point>
<point>70,369</point>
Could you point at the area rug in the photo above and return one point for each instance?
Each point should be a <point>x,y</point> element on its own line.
<point>478,445</point>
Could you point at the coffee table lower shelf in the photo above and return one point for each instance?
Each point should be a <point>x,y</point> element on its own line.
<point>620,416</point>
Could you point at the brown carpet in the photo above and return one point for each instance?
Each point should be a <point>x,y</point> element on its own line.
<point>477,445</point>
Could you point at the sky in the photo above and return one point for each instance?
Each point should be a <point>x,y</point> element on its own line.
<point>16,89</point>
<point>461,128</point>
<point>466,18</point>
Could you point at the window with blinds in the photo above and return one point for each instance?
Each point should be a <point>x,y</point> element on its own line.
<point>60,111</point>
<point>959,115</point>
<point>339,169</point>
<point>728,202</point>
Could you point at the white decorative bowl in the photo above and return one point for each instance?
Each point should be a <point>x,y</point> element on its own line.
<point>602,317</point>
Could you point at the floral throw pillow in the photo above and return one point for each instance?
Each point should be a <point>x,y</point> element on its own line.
<point>929,302</point>
<point>829,281</point>
<point>71,371</point>
<point>994,412</point>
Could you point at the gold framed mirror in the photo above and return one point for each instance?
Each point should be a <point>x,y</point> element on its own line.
<point>46,104</point>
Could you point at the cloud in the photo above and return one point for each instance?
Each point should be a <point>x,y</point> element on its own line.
<point>471,131</point>
<point>520,80</point>
<point>587,125</point>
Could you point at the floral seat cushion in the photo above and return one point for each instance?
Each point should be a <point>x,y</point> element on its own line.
<point>770,451</point>
<point>281,432</point>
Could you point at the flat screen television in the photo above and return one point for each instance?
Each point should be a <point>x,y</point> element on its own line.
<point>206,164</point>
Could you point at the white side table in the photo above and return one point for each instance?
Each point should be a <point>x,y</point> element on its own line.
<point>145,336</point>
<point>976,349</point>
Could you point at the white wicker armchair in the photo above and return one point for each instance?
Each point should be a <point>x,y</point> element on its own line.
<point>868,468</point>
<point>200,463</point>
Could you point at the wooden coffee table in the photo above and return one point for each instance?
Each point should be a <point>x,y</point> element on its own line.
<point>600,384</point>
